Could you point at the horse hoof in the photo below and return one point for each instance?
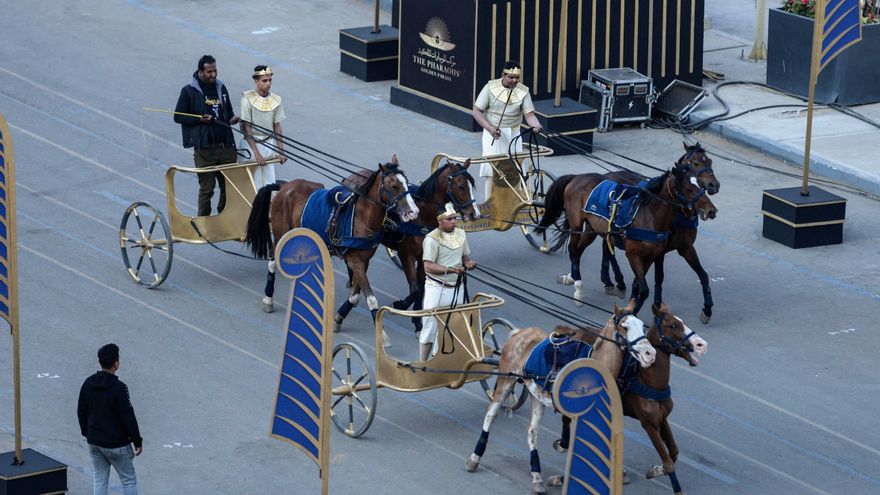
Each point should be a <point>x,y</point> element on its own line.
<point>626,479</point>
<point>654,472</point>
<point>471,463</point>
<point>557,446</point>
<point>538,487</point>
<point>610,290</point>
<point>621,293</point>
<point>555,480</point>
<point>704,318</point>
<point>337,326</point>
<point>268,305</point>
<point>565,279</point>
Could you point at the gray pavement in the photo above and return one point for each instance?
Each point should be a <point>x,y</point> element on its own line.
<point>784,402</point>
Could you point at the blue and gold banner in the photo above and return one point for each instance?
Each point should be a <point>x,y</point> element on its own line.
<point>587,393</point>
<point>302,410</point>
<point>8,259</point>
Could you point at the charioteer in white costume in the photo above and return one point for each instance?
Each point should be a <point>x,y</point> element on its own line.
<point>500,108</point>
<point>261,116</point>
<point>446,257</point>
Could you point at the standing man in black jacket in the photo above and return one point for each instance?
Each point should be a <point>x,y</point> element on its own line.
<point>210,135</point>
<point>107,420</point>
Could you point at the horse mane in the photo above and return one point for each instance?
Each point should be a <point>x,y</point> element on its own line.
<point>364,189</point>
<point>429,186</point>
<point>656,183</point>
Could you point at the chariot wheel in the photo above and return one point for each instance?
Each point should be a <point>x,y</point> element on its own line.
<point>491,339</point>
<point>555,236</point>
<point>394,257</point>
<point>146,244</point>
<point>353,385</point>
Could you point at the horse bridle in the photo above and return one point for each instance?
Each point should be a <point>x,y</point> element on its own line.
<point>686,203</point>
<point>670,345</point>
<point>623,343</point>
<point>392,203</point>
<point>451,197</point>
<point>686,165</point>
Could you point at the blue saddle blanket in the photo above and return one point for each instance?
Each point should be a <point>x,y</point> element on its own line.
<point>551,355</point>
<point>609,192</point>
<point>318,211</point>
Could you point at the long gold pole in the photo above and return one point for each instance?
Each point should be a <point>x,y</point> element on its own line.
<point>560,55</point>
<point>759,49</point>
<point>814,74</point>
<point>12,274</point>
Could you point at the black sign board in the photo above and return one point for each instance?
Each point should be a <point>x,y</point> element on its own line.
<point>437,49</point>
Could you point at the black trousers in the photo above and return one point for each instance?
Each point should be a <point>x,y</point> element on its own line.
<point>207,157</point>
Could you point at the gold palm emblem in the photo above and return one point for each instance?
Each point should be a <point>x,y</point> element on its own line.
<point>436,35</point>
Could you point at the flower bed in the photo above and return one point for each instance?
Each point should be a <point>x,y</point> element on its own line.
<point>849,79</point>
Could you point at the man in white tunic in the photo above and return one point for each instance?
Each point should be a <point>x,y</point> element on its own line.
<point>261,116</point>
<point>446,256</point>
<point>499,109</point>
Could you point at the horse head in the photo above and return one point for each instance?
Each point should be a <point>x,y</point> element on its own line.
<point>695,157</point>
<point>689,194</point>
<point>394,192</point>
<point>460,189</point>
<point>670,334</point>
<point>629,333</point>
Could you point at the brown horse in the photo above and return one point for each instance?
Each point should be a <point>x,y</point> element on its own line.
<point>385,189</point>
<point>622,334</point>
<point>644,240</point>
<point>647,396</point>
<point>450,183</point>
<point>682,236</point>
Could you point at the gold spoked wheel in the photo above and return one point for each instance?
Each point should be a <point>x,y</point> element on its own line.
<point>354,391</point>
<point>555,236</point>
<point>520,394</point>
<point>146,244</point>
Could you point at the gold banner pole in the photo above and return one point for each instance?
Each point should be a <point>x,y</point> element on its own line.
<point>759,49</point>
<point>12,274</point>
<point>814,74</point>
<point>560,54</point>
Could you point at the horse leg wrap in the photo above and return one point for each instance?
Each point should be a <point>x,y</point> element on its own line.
<point>536,462</point>
<point>579,292</point>
<point>373,304</point>
<point>566,433</point>
<point>345,309</point>
<point>481,443</point>
<point>676,487</point>
<point>270,283</point>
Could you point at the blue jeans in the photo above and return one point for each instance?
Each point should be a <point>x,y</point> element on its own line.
<point>122,459</point>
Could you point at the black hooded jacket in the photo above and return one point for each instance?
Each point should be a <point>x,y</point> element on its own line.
<point>198,134</point>
<point>106,417</point>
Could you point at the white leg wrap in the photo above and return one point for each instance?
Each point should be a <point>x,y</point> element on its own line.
<point>271,266</point>
<point>372,303</point>
<point>354,298</point>
<point>490,415</point>
<point>579,292</point>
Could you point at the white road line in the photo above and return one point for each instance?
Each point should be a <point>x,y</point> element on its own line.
<point>35,84</point>
<point>752,460</point>
<point>779,409</point>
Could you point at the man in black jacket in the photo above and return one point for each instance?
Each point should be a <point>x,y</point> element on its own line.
<point>107,420</point>
<point>210,135</point>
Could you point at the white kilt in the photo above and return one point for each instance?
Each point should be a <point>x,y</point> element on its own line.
<point>500,147</point>
<point>265,174</point>
<point>436,296</point>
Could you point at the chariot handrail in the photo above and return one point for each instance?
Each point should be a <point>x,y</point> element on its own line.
<point>481,301</point>
<point>541,151</point>
<point>219,168</point>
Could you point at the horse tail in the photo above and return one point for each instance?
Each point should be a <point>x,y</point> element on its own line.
<point>258,236</point>
<point>554,202</point>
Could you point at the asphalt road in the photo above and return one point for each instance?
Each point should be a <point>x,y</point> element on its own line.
<point>784,402</point>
